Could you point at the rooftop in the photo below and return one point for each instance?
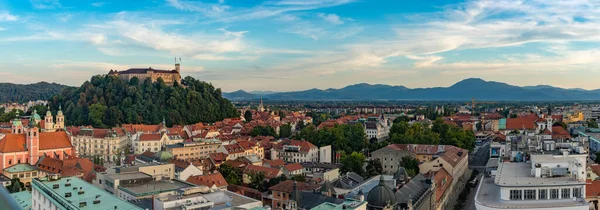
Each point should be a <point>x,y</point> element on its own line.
<point>23,199</point>
<point>347,204</point>
<point>75,201</point>
<point>223,198</point>
<point>23,167</point>
<point>154,187</point>
<point>127,176</point>
<point>488,194</point>
<point>519,174</point>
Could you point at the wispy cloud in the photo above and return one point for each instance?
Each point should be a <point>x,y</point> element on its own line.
<point>6,16</point>
<point>64,17</point>
<point>98,4</point>
<point>332,18</point>
<point>45,4</point>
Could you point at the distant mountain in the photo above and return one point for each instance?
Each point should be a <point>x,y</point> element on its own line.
<point>262,92</point>
<point>240,95</point>
<point>463,90</point>
<point>10,92</point>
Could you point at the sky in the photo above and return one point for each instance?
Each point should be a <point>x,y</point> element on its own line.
<point>286,45</point>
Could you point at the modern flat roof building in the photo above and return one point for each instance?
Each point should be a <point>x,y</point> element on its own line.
<point>546,181</point>
<point>74,193</point>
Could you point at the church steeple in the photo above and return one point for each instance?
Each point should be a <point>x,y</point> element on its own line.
<point>260,106</point>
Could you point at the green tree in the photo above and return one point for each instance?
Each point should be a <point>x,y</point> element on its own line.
<point>403,118</point>
<point>300,125</point>
<point>231,174</point>
<point>560,123</point>
<point>97,114</point>
<point>248,116</point>
<point>257,181</point>
<point>299,178</point>
<point>285,131</point>
<point>15,186</point>
<point>275,181</point>
<point>262,131</point>
<point>353,163</point>
<point>374,168</point>
<point>410,164</point>
<point>592,123</point>
<point>515,131</point>
<point>282,114</point>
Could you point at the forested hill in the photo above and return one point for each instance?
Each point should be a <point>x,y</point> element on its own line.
<point>107,101</point>
<point>10,92</point>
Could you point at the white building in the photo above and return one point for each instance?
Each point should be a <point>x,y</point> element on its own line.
<point>297,151</point>
<point>554,180</point>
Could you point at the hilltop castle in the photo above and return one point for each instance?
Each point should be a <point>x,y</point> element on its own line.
<point>169,76</point>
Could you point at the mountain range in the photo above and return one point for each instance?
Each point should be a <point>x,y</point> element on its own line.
<point>463,90</point>
<point>10,92</point>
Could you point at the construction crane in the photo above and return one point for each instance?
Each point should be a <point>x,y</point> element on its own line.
<point>473,103</point>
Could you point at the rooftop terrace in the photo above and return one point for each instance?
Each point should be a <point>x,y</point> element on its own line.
<point>153,188</point>
<point>519,175</point>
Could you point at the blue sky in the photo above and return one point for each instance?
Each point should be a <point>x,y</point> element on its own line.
<point>285,45</point>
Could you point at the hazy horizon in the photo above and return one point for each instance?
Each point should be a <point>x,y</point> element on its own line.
<point>290,45</point>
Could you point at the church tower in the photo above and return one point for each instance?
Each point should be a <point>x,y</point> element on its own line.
<point>17,126</point>
<point>33,142</point>
<point>261,108</point>
<point>60,119</point>
<point>48,121</point>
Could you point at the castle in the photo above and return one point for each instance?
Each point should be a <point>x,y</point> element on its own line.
<point>169,76</point>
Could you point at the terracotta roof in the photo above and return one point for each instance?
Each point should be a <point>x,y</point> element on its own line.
<point>68,167</point>
<point>293,167</point>
<point>246,145</point>
<point>129,159</point>
<point>234,163</point>
<point>13,143</point>
<point>520,123</point>
<point>592,188</point>
<point>50,165</point>
<point>182,164</point>
<point>270,173</point>
<point>150,137</point>
<point>305,146</point>
<point>133,128</point>
<point>274,163</point>
<point>148,154</point>
<point>287,186</point>
<point>54,140</point>
<point>234,148</point>
<point>218,157</point>
<point>208,180</point>
<point>422,149</point>
<point>558,132</point>
<point>453,155</point>
<point>442,186</point>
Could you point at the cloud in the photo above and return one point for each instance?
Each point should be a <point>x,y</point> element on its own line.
<point>332,18</point>
<point>424,61</point>
<point>215,57</point>
<point>64,17</point>
<point>45,4</point>
<point>98,39</point>
<point>91,68</point>
<point>6,16</point>
<point>98,4</point>
<point>287,18</point>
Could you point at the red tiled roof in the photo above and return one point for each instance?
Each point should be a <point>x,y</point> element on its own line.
<point>293,167</point>
<point>150,137</point>
<point>558,132</point>
<point>129,159</point>
<point>442,187</point>
<point>218,157</point>
<point>180,163</point>
<point>422,149</point>
<point>208,180</point>
<point>592,188</point>
<point>287,186</point>
<point>451,155</point>
<point>520,123</point>
<point>274,163</point>
<point>595,168</point>
<point>234,148</point>
<point>270,173</point>
<point>54,140</point>
<point>305,146</point>
<point>148,154</point>
<point>13,143</point>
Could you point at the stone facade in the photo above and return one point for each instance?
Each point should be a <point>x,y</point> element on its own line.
<point>169,76</point>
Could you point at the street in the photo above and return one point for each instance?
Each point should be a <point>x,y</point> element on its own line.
<point>477,161</point>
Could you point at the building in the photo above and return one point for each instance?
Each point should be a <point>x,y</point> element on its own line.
<point>242,149</point>
<point>138,191</point>
<point>381,197</point>
<point>293,169</point>
<point>112,178</point>
<point>73,193</point>
<point>282,193</point>
<point>105,143</point>
<point>454,160</point>
<point>429,155</point>
<point>552,178</point>
<point>199,198</point>
<point>297,151</point>
<point>321,171</point>
<point>153,142</point>
<point>49,124</point>
<point>168,76</point>
<point>23,171</point>
<point>214,181</point>
<point>348,204</point>
<point>269,173</point>
<point>193,150</point>
<point>26,144</point>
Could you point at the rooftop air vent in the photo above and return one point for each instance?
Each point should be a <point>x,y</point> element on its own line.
<point>80,191</point>
<point>55,186</point>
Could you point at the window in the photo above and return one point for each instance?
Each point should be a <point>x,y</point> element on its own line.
<point>9,161</point>
<point>565,193</point>
<point>515,194</point>
<point>530,194</point>
<point>553,193</point>
<point>577,192</point>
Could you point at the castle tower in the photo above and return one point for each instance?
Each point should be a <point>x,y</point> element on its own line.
<point>17,126</point>
<point>33,142</point>
<point>48,121</point>
<point>60,119</point>
<point>177,68</point>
